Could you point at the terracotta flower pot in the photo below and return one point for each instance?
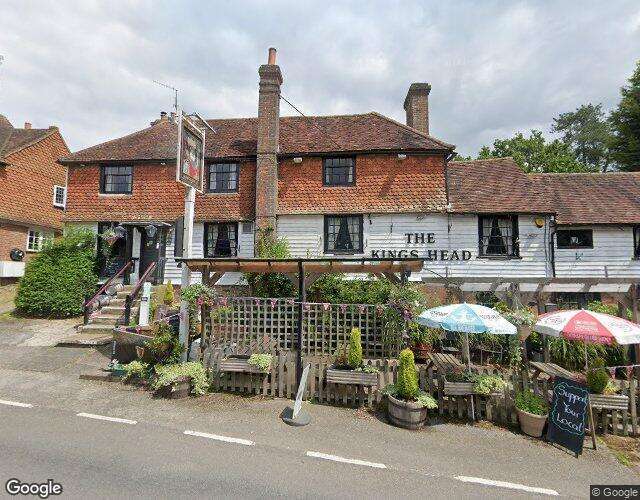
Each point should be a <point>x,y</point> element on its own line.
<point>406,414</point>
<point>421,350</point>
<point>532,425</point>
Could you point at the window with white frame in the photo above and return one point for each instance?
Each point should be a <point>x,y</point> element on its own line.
<point>35,240</point>
<point>343,234</point>
<point>221,239</point>
<point>59,196</point>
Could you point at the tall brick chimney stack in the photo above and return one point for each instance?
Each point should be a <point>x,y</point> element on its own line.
<point>416,104</point>
<point>268,144</point>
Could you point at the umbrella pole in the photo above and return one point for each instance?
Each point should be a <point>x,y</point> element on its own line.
<point>468,354</point>
<point>586,358</point>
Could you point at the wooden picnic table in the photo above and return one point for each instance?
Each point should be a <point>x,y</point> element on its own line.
<point>444,363</point>
<point>550,369</point>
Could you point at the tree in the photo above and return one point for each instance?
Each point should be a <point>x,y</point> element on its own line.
<point>535,154</point>
<point>625,122</point>
<point>588,133</point>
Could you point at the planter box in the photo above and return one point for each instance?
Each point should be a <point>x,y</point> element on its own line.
<point>337,376</point>
<point>458,388</point>
<point>178,390</point>
<point>532,425</point>
<point>239,365</point>
<point>406,414</point>
<point>609,402</point>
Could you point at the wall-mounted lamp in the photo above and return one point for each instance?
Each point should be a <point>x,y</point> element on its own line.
<point>297,159</point>
<point>402,156</point>
<point>539,221</point>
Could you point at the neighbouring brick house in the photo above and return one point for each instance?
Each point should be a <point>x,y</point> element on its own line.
<point>362,185</point>
<point>32,193</point>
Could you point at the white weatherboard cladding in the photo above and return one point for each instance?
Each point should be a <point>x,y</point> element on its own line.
<point>611,255</point>
<point>172,271</point>
<point>305,234</point>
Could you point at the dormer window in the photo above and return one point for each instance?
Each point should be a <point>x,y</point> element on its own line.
<point>339,171</point>
<point>223,178</point>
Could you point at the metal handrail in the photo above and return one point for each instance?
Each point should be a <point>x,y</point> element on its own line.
<point>90,301</point>
<point>134,292</point>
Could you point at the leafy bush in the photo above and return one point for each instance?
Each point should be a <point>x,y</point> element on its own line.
<point>165,347</point>
<point>57,281</point>
<point>168,293</point>
<point>355,349</point>
<point>570,353</point>
<point>531,403</point>
<point>597,377</point>
<point>136,369</point>
<point>194,295</point>
<point>423,398</point>
<point>335,289</point>
<point>261,361</point>
<point>342,357</point>
<point>424,335</point>
<point>407,381</point>
<point>272,285</point>
<point>460,376</point>
<point>166,375</point>
<point>488,384</point>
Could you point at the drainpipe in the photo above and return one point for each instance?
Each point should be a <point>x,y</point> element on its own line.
<point>552,245</point>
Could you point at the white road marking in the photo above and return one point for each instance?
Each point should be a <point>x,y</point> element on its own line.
<point>504,484</point>
<point>354,461</point>
<point>15,403</point>
<point>108,419</point>
<point>226,439</point>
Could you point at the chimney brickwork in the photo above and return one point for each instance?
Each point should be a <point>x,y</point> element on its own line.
<point>416,104</point>
<point>268,144</point>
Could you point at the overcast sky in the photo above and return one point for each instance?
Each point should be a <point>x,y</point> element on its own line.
<point>495,67</point>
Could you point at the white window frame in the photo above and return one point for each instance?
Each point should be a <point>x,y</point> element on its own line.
<point>39,237</point>
<point>64,196</point>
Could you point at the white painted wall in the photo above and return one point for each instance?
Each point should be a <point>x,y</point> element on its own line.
<point>611,255</point>
<point>11,269</point>
<point>305,235</point>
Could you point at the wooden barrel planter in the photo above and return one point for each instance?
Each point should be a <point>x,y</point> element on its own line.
<point>406,414</point>
<point>338,376</point>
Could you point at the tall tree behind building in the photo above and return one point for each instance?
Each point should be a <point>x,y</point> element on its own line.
<point>625,122</point>
<point>587,132</point>
<point>536,154</point>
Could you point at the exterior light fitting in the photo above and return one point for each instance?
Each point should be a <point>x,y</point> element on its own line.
<point>297,159</point>
<point>402,156</point>
<point>539,221</point>
<point>151,230</point>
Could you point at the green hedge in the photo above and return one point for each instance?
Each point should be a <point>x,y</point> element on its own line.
<point>58,279</point>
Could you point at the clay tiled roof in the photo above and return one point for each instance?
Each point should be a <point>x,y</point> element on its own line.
<point>13,140</point>
<point>236,138</point>
<point>611,198</point>
<point>495,185</point>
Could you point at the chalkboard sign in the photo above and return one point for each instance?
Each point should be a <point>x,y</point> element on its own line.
<point>568,414</point>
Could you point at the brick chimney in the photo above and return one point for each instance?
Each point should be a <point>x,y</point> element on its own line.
<point>268,143</point>
<point>416,104</point>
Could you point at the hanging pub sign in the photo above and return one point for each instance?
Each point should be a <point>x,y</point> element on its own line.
<point>190,164</point>
<point>568,414</point>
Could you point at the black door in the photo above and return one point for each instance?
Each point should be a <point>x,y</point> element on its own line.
<point>150,250</point>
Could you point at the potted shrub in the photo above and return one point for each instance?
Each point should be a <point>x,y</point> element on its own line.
<point>179,380</point>
<point>163,348</point>
<point>136,372</point>
<point>168,294</point>
<point>489,385</point>
<point>348,367</point>
<point>407,405</point>
<point>532,413</point>
<point>245,363</point>
<point>422,339</point>
<point>602,389</point>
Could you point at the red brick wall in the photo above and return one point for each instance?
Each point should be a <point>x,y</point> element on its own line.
<point>26,184</point>
<point>383,184</point>
<point>155,196</point>
<point>14,236</point>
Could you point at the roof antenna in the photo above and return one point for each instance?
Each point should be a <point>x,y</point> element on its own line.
<point>175,93</point>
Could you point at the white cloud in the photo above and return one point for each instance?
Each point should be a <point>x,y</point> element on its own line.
<point>495,66</point>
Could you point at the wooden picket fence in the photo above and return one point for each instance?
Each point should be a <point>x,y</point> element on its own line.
<point>280,381</point>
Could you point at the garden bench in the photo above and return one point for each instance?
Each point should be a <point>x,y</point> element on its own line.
<point>550,369</point>
<point>444,363</point>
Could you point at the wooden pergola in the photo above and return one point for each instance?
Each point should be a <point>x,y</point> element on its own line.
<point>304,271</point>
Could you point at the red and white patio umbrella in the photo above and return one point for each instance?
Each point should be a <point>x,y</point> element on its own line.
<point>588,326</point>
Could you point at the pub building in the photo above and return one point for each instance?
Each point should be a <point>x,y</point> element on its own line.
<point>352,185</point>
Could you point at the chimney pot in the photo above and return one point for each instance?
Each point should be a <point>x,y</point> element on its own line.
<point>163,115</point>
<point>27,125</point>
<point>272,55</point>
<point>416,104</point>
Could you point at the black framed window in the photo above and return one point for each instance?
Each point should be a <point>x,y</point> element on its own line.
<point>223,177</point>
<point>498,235</point>
<point>343,233</point>
<point>339,171</point>
<point>574,238</point>
<point>116,179</point>
<point>636,242</point>
<point>221,239</point>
